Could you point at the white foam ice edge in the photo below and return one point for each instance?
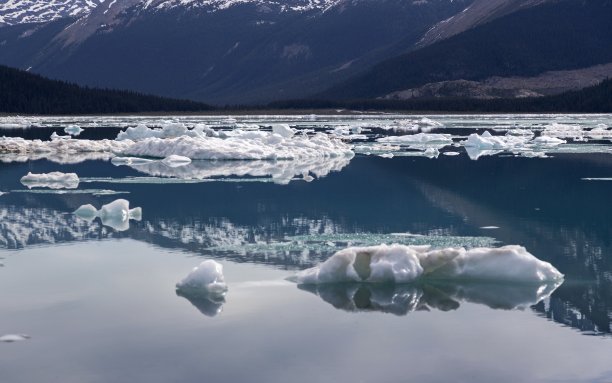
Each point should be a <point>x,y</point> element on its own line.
<point>53,180</point>
<point>116,214</point>
<point>406,264</point>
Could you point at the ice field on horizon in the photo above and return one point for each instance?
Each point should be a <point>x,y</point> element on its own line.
<point>302,145</point>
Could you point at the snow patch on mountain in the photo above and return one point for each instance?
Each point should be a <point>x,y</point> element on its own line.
<point>40,11</point>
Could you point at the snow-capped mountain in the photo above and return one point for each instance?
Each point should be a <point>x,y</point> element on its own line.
<point>14,12</point>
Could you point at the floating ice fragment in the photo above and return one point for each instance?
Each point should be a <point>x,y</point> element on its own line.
<point>489,227</point>
<point>452,154</point>
<point>420,138</point>
<point>10,338</point>
<point>547,141</point>
<point>55,137</point>
<point>405,264</point>
<point>208,276</point>
<point>118,161</point>
<point>116,214</point>
<point>73,130</point>
<point>246,145</point>
<point>53,180</point>
<point>386,155</point>
<point>175,161</point>
<point>283,130</point>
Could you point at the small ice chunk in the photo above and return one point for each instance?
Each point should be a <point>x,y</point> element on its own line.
<point>10,338</point>
<point>116,214</point>
<point>175,161</point>
<point>283,130</point>
<point>53,180</point>
<point>117,161</point>
<point>387,155</point>
<point>207,276</point>
<point>547,141</point>
<point>73,130</point>
<point>405,264</point>
<point>55,137</point>
<point>420,138</point>
<point>452,154</point>
<point>489,227</point>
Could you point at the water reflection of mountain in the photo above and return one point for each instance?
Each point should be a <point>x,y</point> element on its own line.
<point>565,220</point>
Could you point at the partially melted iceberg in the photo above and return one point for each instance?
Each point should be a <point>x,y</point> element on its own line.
<point>242,145</point>
<point>116,214</point>
<point>53,180</point>
<point>204,287</point>
<point>405,264</point>
<point>207,276</point>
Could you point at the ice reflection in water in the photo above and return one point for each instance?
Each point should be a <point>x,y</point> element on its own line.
<point>403,299</point>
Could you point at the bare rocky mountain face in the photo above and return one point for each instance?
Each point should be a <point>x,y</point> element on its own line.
<point>221,51</point>
<point>546,84</point>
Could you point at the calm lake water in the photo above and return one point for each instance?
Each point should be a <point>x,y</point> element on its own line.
<point>97,301</point>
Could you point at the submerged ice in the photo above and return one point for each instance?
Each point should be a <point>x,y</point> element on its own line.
<point>406,264</point>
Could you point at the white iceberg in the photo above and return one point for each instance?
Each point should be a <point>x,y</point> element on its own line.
<point>245,145</point>
<point>419,139</point>
<point>406,264</point>
<point>73,130</point>
<point>208,276</point>
<point>10,338</point>
<point>283,130</point>
<point>53,180</point>
<point>116,214</point>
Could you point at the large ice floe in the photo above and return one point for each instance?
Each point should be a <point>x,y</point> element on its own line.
<point>116,214</point>
<point>398,264</point>
<point>204,287</point>
<point>53,180</point>
<point>243,145</point>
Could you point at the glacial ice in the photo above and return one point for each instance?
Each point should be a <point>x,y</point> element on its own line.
<point>73,130</point>
<point>280,172</point>
<point>116,214</point>
<point>53,180</point>
<point>208,276</point>
<point>10,338</point>
<point>418,139</point>
<point>248,145</point>
<point>405,264</point>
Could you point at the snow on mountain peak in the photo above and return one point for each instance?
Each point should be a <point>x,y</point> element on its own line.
<point>38,11</point>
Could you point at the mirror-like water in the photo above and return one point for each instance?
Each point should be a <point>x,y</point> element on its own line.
<point>91,297</point>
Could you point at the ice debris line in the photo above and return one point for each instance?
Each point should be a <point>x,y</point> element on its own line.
<point>116,214</point>
<point>53,180</point>
<point>208,277</point>
<point>405,264</point>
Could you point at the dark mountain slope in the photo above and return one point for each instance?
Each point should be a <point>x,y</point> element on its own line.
<point>25,93</point>
<point>566,34</point>
<point>244,53</point>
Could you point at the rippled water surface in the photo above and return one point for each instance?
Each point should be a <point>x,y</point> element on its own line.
<point>93,299</point>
